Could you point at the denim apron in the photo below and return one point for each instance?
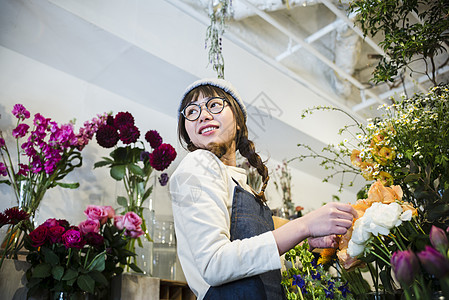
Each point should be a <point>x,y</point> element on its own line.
<point>249,218</point>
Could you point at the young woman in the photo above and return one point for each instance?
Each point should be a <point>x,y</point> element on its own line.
<point>227,244</point>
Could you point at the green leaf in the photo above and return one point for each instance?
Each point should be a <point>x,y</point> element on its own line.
<point>57,272</point>
<point>135,268</point>
<point>74,185</point>
<point>70,274</point>
<point>50,256</point>
<point>135,169</point>
<point>98,263</point>
<point>147,193</point>
<point>122,201</point>
<point>86,283</point>
<point>103,163</point>
<point>118,172</point>
<point>99,277</point>
<point>42,270</point>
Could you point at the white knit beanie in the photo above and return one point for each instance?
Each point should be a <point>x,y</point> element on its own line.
<point>220,83</point>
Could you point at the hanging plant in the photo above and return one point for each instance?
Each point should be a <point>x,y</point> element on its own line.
<point>218,15</point>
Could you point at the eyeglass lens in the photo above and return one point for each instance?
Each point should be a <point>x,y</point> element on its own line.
<point>213,105</point>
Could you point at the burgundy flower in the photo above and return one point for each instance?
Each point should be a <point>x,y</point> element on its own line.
<point>94,239</point>
<point>405,266</point>
<point>163,179</point>
<point>3,170</point>
<point>16,215</point>
<point>2,142</point>
<point>153,137</point>
<point>39,236</point>
<point>23,170</point>
<point>3,219</point>
<point>20,112</point>
<point>20,131</point>
<point>162,157</point>
<point>55,234</point>
<point>64,223</point>
<point>110,120</point>
<point>123,119</point>
<point>434,262</point>
<point>107,136</point>
<point>129,134</point>
<point>72,238</point>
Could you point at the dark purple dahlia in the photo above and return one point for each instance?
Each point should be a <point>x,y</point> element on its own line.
<point>16,215</point>
<point>162,157</point>
<point>107,136</point>
<point>153,137</point>
<point>123,119</point>
<point>129,134</point>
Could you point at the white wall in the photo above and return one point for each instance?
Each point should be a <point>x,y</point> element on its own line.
<point>75,58</point>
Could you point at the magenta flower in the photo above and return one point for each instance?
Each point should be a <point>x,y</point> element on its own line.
<point>107,136</point>
<point>39,236</point>
<point>434,262</point>
<point>153,137</point>
<point>72,238</point>
<point>129,134</point>
<point>90,128</point>
<point>123,119</point>
<point>2,142</point>
<point>405,266</point>
<point>162,157</point>
<point>20,131</point>
<point>23,170</point>
<point>438,239</point>
<point>3,170</point>
<point>52,222</point>
<point>20,112</point>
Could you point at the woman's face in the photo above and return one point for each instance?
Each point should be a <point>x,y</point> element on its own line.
<point>212,128</point>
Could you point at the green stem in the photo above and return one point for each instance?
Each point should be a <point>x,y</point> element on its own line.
<point>383,259</point>
<point>399,243</point>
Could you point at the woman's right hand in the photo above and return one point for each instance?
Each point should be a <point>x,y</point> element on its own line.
<point>332,218</point>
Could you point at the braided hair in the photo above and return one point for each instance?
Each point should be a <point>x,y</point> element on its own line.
<point>243,144</point>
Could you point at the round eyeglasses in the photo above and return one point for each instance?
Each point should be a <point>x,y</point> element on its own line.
<point>213,105</point>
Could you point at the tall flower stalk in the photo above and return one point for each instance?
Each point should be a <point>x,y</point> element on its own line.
<point>48,152</point>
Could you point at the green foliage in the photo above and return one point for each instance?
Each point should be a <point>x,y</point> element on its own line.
<point>305,279</point>
<point>405,39</point>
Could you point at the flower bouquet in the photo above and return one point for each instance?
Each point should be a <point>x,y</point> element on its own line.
<point>305,278</point>
<point>133,164</point>
<point>80,259</point>
<point>48,153</point>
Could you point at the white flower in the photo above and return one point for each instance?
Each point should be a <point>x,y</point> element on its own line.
<point>355,249</point>
<point>406,215</point>
<point>400,155</point>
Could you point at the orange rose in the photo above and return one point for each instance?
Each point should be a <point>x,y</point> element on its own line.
<point>379,193</point>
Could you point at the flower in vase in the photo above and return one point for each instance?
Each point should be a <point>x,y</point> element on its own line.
<point>133,162</point>
<point>405,266</point>
<point>15,215</point>
<point>89,225</point>
<point>98,213</point>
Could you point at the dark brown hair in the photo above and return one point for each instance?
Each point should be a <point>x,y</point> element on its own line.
<point>243,144</point>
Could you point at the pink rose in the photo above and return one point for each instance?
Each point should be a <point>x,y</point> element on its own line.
<point>131,221</point>
<point>118,222</point>
<point>94,212</point>
<point>134,233</point>
<point>89,226</point>
<point>110,211</point>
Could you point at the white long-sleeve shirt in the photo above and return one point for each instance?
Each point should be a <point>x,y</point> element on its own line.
<point>202,191</point>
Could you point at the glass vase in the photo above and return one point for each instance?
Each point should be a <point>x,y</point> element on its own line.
<point>144,249</point>
<point>164,248</point>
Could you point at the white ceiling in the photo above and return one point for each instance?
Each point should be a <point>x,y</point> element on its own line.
<point>316,43</point>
